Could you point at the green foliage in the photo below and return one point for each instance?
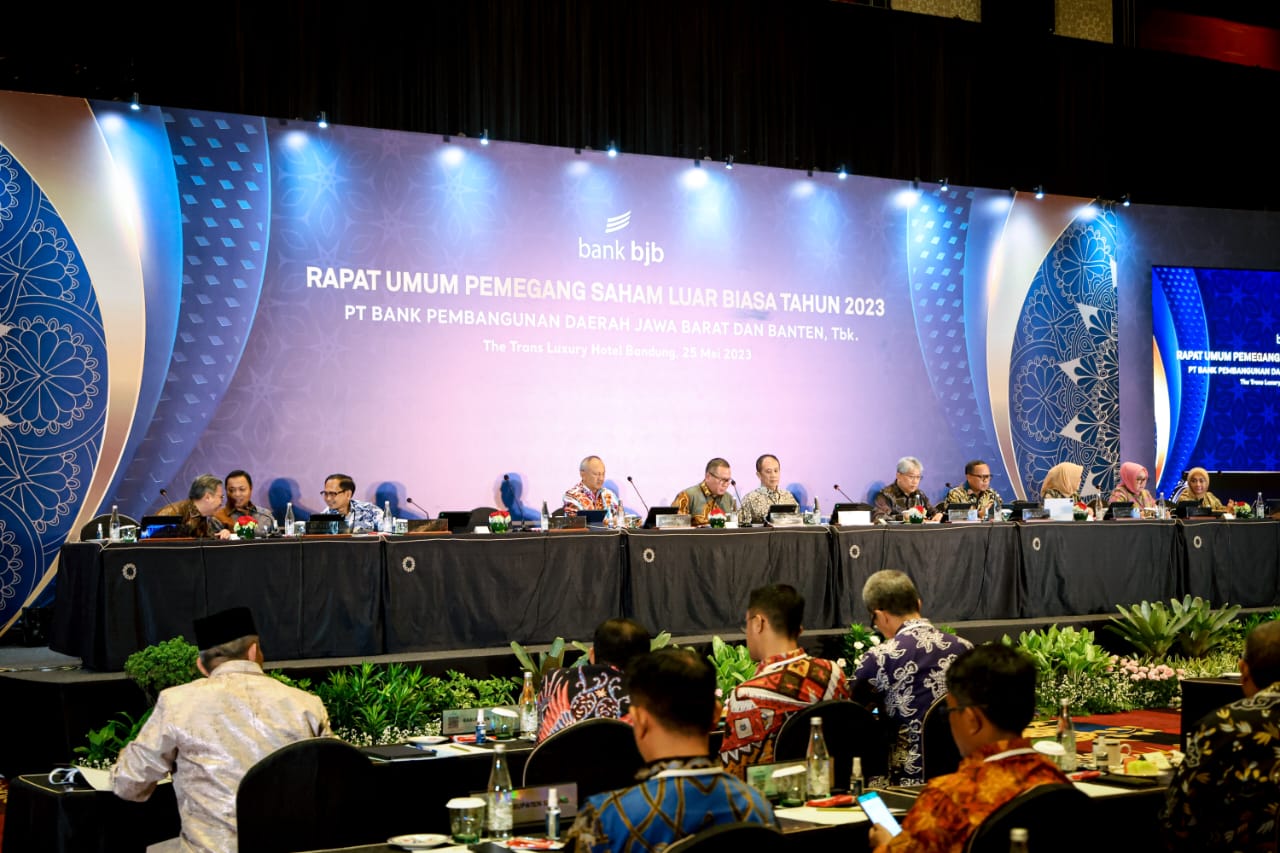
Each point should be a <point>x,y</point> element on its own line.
<point>733,664</point>
<point>162,665</point>
<point>1150,627</point>
<point>1240,629</point>
<point>300,683</point>
<point>551,659</point>
<point>1066,651</point>
<point>104,744</point>
<point>1205,628</point>
<point>858,640</point>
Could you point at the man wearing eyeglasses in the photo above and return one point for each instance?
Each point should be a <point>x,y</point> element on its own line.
<point>338,494</point>
<point>903,493</point>
<point>697,501</point>
<point>977,490</point>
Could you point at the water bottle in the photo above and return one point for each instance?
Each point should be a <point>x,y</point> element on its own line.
<point>608,515</point>
<point>1067,737</point>
<point>546,517</point>
<point>480,738</point>
<point>1017,840</point>
<point>553,814</point>
<point>115,523</point>
<point>1160,506</point>
<point>388,520</point>
<point>818,762</point>
<point>1259,507</point>
<point>288,519</point>
<point>857,784</point>
<point>528,708</point>
<point>498,814</point>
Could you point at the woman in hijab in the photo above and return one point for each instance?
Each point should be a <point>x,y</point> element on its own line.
<point>1062,481</point>
<point>1198,489</point>
<point>1133,486</point>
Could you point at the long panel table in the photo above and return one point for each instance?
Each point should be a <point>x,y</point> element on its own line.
<point>366,595</point>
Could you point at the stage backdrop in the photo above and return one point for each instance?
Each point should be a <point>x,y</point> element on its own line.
<point>185,292</point>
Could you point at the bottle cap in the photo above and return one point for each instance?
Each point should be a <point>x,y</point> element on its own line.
<point>499,747</point>
<point>815,721</point>
<point>1017,834</point>
<point>553,798</point>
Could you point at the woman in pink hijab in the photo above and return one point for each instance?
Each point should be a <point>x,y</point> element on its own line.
<point>1133,486</point>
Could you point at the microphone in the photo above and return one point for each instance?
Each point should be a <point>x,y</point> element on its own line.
<point>842,494</point>
<point>410,502</point>
<point>506,483</point>
<point>637,491</point>
<point>734,483</point>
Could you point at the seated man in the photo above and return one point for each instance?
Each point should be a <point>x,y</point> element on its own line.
<point>697,501</point>
<point>904,674</point>
<point>902,493</point>
<point>682,791</point>
<point>240,502</point>
<point>991,698</point>
<point>208,733</point>
<point>338,494</point>
<point>590,492</point>
<point>199,512</point>
<point>574,693</point>
<point>1223,796</point>
<point>786,679</point>
<point>755,506</point>
<point>977,490</point>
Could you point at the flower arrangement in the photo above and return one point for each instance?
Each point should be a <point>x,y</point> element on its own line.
<point>716,517</point>
<point>913,515</point>
<point>245,527</point>
<point>499,521</point>
<point>1152,685</point>
<point>858,640</point>
<point>1240,509</point>
<point>1080,512</point>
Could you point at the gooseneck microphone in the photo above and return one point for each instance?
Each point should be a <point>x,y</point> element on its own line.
<point>506,481</point>
<point>734,483</point>
<point>637,491</point>
<point>410,502</point>
<point>842,494</point>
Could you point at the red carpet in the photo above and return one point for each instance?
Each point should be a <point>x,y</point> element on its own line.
<point>1144,731</point>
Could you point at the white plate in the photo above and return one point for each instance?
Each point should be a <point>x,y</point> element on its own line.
<point>419,841</point>
<point>427,740</point>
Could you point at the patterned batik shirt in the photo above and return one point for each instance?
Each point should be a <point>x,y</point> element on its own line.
<point>755,506</point>
<point>983,501</point>
<point>362,515</point>
<point>696,502</point>
<point>676,797</point>
<point>757,708</point>
<point>950,809</point>
<point>907,673</point>
<point>581,498</point>
<point>891,501</point>
<point>1224,794</point>
<point>577,693</point>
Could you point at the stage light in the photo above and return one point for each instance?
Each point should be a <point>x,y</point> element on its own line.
<point>1039,191</point>
<point>1125,200</point>
<point>484,136</point>
<point>613,148</point>
<point>945,185</point>
<point>323,121</point>
<point>134,105</point>
<point>728,163</point>
<point>842,173</point>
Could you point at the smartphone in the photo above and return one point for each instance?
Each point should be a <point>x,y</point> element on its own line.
<point>878,812</point>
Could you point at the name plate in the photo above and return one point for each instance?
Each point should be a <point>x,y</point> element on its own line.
<point>462,721</point>
<point>853,516</point>
<point>529,805</point>
<point>664,522</point>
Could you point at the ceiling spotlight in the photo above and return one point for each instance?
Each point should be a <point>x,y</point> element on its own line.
<point>613,148</point>
<point>323,121</point>
<point>134,105</point>
<point>1125,200</point>
<point>1039,191</point>
<point>728,163</point>
<point>945,184</point>
<point>484,137</point>
<point>842,173</point>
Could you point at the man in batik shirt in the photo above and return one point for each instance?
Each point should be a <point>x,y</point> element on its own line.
<point>903,493</point>
<point>906,673</point>
<point>575,693</point>
<point>681,790</point>
<point>339,496</point>
<point>755,506</point>
<point>697,501</point>
<point>977,491</point>
<point>590,492</point>
<point>991,698</point>
<point>1224,794</point>
<point>786,679</point>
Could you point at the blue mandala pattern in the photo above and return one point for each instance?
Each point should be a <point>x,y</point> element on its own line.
<point>1064,373</point>
<point>52,384</point>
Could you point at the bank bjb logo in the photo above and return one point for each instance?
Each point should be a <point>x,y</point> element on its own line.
<point>643,252</point>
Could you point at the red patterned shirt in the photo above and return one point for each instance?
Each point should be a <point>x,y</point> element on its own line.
<point>580,498</point>
<point>951,807</point>
<point>757,708</point>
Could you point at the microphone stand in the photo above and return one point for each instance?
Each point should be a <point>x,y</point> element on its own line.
<point>637,491</point>
<point>734,483</point>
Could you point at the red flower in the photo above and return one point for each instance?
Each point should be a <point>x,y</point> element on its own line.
<point>245,520</point>
<point>715,510</point>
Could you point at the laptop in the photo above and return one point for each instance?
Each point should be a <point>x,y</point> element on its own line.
<point>1119,509</point>
<point>651,520</point>
<point>459,521</point>
<point>326,524</point>
<point>160,527</point>
<point>593,516</point>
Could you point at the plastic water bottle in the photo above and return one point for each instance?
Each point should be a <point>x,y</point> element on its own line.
<point>546,517</point>
<point>115,523</point>
<point>499,812</point>
<point>1160,506</point>
<point>288,519</point>
<point>388,520</point>
<point>528,708</point>
<point>1259,507</point>
<point>818,762</point>
<point>1067,737</point>
<point>857,784</point>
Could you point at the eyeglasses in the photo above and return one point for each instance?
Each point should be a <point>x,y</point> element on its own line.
<point>331,494</point>
<point>724,481</point>
<point>981,476</point>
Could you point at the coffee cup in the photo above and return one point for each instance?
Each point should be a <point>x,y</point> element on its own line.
<point>466,818</point>
<point>790,784</point>
<point>1117,754</point>
<point>505,722</point>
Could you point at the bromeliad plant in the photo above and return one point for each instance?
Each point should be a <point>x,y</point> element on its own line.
<point>553,658</point>
<point>733,665</point>
<point>1190,624</point>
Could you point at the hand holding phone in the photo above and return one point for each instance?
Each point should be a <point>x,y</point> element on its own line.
<point>877,812</point>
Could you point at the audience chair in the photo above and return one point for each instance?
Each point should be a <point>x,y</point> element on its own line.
<point>309,795</point>
<point>599,754</point>
<point>848,728</point>
<point>1045,811</point>
<point>90,530</point>
<point>729,838</point>
<point>938,749</point>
